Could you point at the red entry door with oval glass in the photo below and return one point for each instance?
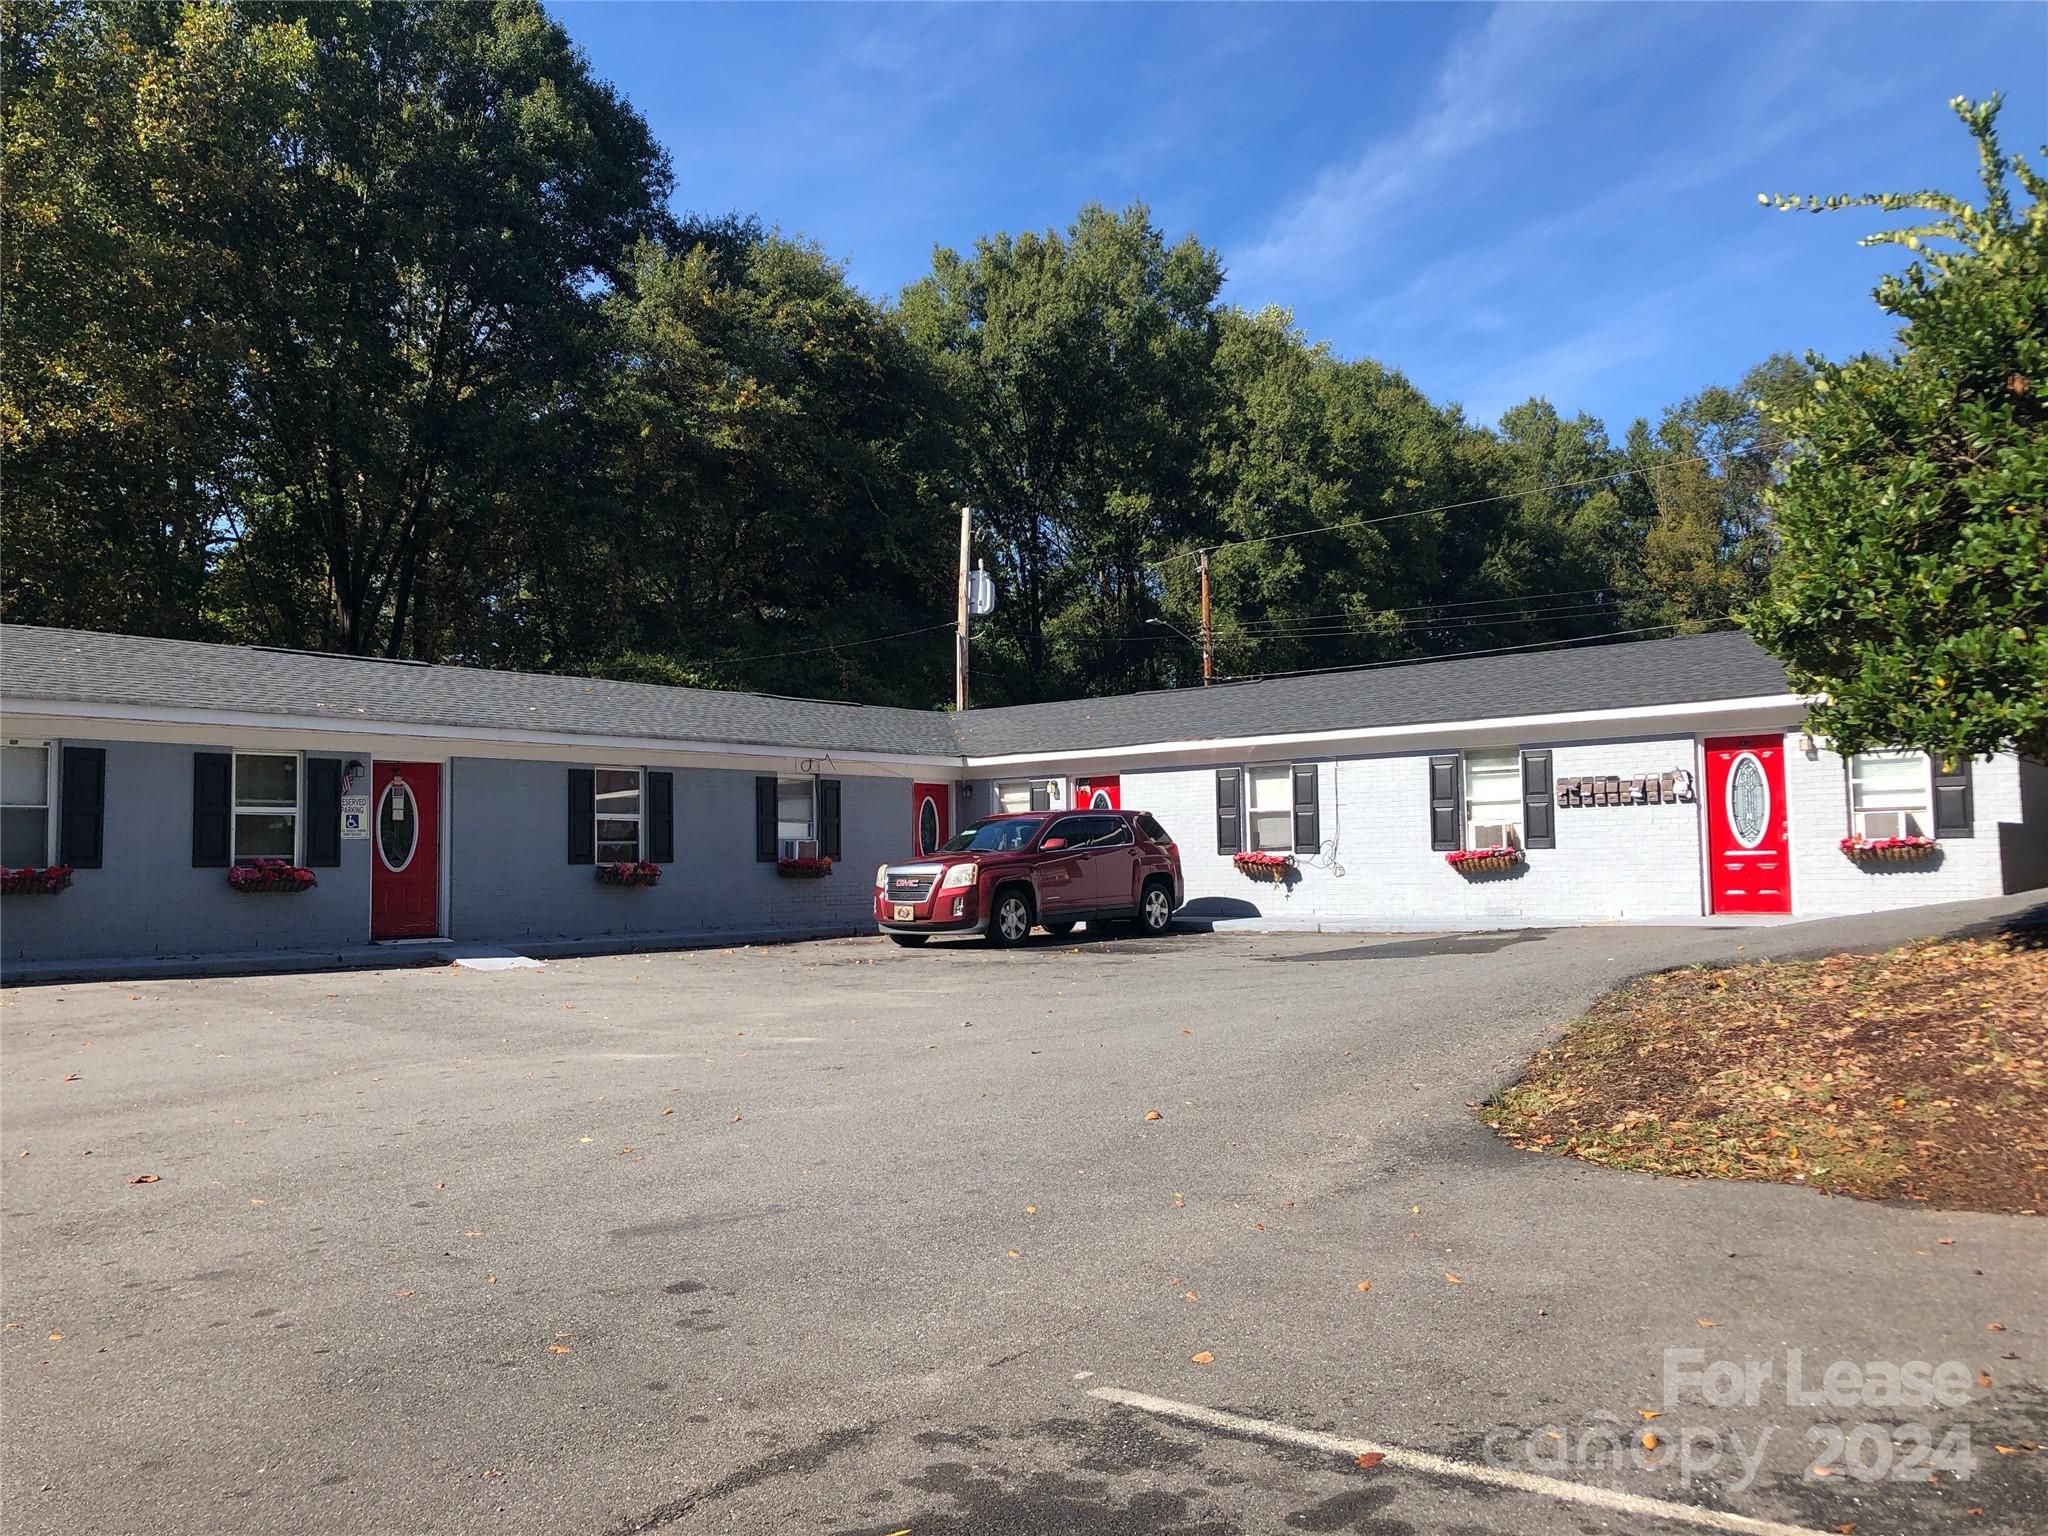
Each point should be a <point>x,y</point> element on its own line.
<point>930,825</point>
<point>1101,793</point>
<point>1748,868</point>
<point>405,851</point>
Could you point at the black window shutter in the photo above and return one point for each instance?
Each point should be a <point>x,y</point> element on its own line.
<point>323,813</point>
<point>1954,815</point>
<point>582,816</point>
<point>1446,815</point>
<point>84,788</point>
<point>1041,795</point>
<point>661,817</point>
<point>1229,823</point>
<point>764,820</point>
<point>828,818</point>
<point>1539,807</point>
<point>213,808</point>
<point>1308,836</point>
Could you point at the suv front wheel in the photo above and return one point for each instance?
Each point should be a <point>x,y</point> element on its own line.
<point>1010,922</point>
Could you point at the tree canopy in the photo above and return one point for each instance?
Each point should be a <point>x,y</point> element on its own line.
<point>367,326</point>
<point>1911,579</point>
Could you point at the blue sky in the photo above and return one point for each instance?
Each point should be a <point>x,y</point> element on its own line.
<point>1499,201</point>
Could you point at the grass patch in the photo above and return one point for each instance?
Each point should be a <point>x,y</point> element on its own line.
<point>1917,1074</point>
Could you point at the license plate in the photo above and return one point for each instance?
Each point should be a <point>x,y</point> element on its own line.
<point>904,915</point>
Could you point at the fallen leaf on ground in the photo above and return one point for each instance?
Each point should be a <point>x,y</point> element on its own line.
<point>1153,1114</point>
<point>68,1077</point>
<point>560,1349</point>
<point>1364,1285</point>
<point>1204,1358</point>
<point>56,1338</point>
<point>1647,1414</point>
<point>150,1178</point>
<point>1452,1279</point>
<point>1983,1378</point>
<point>1030,1210</point>
<point>1650,1440</point>
<point>1369,1459</point>
<point>1994,1327</point>
<point>1706,1322</point>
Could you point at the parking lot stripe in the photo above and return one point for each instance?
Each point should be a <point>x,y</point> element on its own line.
<point>1443,1466</point>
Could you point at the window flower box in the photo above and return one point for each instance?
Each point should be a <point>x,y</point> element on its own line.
<point>803,869</point>
<point>271,875</point>
<point>1264,866</point>
<point>1480,861</point>
<point>1889,850</point>
<point>629,874</point>
<point>31,881</point>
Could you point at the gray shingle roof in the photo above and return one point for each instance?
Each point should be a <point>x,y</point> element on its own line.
<point>78,667</point>
<point>1685,670</point>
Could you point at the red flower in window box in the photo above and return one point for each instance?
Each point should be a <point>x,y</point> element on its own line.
<point>271,875</point>
<point>1889,849</point>
<point>803,869</point>
<point>31,881</point>
<point>629,874</point>
<point>1479,861</point>
<point>1264,866</point>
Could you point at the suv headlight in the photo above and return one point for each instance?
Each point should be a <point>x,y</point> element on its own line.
<point>881,877</point>
<point>957,876</point>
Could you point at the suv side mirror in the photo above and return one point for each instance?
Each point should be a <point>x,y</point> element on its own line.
<point>1053,842</point>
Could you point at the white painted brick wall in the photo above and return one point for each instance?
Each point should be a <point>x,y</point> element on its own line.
<point>1826,881</point>
<point>1610,862</point>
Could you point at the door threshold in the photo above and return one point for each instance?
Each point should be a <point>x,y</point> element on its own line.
<point>401,943</point>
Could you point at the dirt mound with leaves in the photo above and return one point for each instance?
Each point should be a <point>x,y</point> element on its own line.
<point>1916,1074</point>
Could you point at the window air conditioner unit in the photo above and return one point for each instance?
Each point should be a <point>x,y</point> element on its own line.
<point>798,848</point>
<point>1884,823</point>
<point>1494,835</point>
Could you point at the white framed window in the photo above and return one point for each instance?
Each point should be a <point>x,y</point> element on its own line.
<point>1493,798</point>
<point>1269,804</point>
<point>796,808</point>
<point>25,820</point>
<point>1031,795</point>
<point>266,819</point>
<point>617,797</point>
<point>1890,794</point>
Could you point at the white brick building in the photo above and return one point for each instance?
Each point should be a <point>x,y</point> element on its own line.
<point>1667,779</point>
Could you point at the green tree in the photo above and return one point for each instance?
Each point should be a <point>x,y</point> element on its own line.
<point>134,136</point>
<point>1911,581</point>
<point>1700,540</point>
<point>765,483</point>
<point>1079,365</point>
<point>370,240</point>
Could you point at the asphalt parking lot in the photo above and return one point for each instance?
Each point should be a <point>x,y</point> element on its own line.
<point>838,1237</point>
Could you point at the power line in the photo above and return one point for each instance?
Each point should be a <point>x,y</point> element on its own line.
<point>1278,629</point>
<point>840,645</point>
<point>1456,506</point>
<point>1472,602</point>
<point>1492,650</point>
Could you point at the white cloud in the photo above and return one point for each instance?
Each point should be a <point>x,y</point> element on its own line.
<point>1491,83</point>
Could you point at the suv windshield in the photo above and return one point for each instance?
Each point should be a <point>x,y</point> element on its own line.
<point>991,837</point>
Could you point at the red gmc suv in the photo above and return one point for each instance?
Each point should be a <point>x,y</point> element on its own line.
<point>1052,868</point>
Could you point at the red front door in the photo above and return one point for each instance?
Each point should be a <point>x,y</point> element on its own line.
<point>1748,869</point>
<point>1097,794</point>
<point>405,851</point>
<point>930,825</point>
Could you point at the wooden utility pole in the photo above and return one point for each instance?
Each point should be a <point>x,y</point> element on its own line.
<point>960,621</point>
<point>1208,646</point>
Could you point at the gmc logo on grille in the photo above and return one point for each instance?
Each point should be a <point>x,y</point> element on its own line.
<point>906,883</point>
